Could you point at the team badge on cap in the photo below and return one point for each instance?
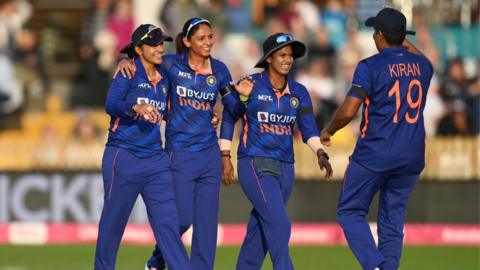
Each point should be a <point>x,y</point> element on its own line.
<point>211,80</point>
<point>294,102</point>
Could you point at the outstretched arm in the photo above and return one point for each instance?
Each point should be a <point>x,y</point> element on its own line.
<point>344,114</point>
<point>309,130</point>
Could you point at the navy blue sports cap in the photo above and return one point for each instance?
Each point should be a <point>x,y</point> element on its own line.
<point>277,41</point>
<point>149,34</point>
<point>390,21</point>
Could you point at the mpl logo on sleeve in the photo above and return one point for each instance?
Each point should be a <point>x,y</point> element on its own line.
<point>185,75</point>
<point>144,86</point>
<point>265,98</point>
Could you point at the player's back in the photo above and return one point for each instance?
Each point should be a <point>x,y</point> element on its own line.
<point>392,131</point>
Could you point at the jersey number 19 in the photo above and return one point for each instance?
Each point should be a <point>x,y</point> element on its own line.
<point>413,105</point>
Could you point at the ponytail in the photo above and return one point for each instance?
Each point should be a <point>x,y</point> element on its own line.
<point>129,50</point>
<point>179,45</point>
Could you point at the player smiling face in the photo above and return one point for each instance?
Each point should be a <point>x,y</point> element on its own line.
<point>151,54</point>
<point>201,41</point>
<point>281,61</point>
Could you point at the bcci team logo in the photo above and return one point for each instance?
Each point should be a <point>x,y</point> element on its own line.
<point>294,102</point>
<point>181,91</point>
<point>164,90</point>
<point>211,80</point>
<point>262,117</point>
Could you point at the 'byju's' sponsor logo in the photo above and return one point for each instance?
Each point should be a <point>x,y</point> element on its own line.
<point>198,100</point>
<point>277,124</point>
<point>144,86</point>
<point>262,117</point>
<point>181,91</point>
<point>190,93</point>
<point>266,117</point>
<point>142,100</point>
<point>185,75</point>
<point>160,105</point>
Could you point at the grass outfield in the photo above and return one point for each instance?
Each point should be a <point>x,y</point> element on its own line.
<point>304,258</point>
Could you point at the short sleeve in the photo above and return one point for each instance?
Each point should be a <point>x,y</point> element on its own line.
<point>306,120</point>
<point>226,77</point>
<point>361,83</point>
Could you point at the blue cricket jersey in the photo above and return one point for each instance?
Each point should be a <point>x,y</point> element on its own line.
<point>192,97</point>
<point>269,119</point>
<point>127,130</point>
<point>394,85</point>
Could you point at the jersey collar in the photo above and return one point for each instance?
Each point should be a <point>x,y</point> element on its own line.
<point>183,59</point>
<point>395,49</point>
<point>142,73</point>
<point>265,80</point>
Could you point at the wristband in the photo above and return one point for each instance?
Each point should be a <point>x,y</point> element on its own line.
<point>243,99</point>
<point>225,153</point>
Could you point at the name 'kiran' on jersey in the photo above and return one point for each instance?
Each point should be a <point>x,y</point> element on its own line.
<point>404,69</point>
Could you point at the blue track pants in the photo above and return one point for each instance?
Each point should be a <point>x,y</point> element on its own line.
<point>359,187</point>
<point>197,177</point>
<point>269,226</point>
<point>124,178</point>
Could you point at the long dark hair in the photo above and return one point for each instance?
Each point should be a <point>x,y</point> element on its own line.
<point>130,51</point>
<point>179,45</point>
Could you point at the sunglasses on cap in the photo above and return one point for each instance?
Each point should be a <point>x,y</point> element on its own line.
<point>150,33</point>
<point>284,38</point>
<point>194,22</point>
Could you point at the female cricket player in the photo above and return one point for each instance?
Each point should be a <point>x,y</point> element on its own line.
<point>195,78</point>
<point>265,152</point>
<point>389,156</point>
<point>134,162</point>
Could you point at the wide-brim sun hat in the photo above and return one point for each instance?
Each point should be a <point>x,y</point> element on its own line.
<point>277,41</point>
